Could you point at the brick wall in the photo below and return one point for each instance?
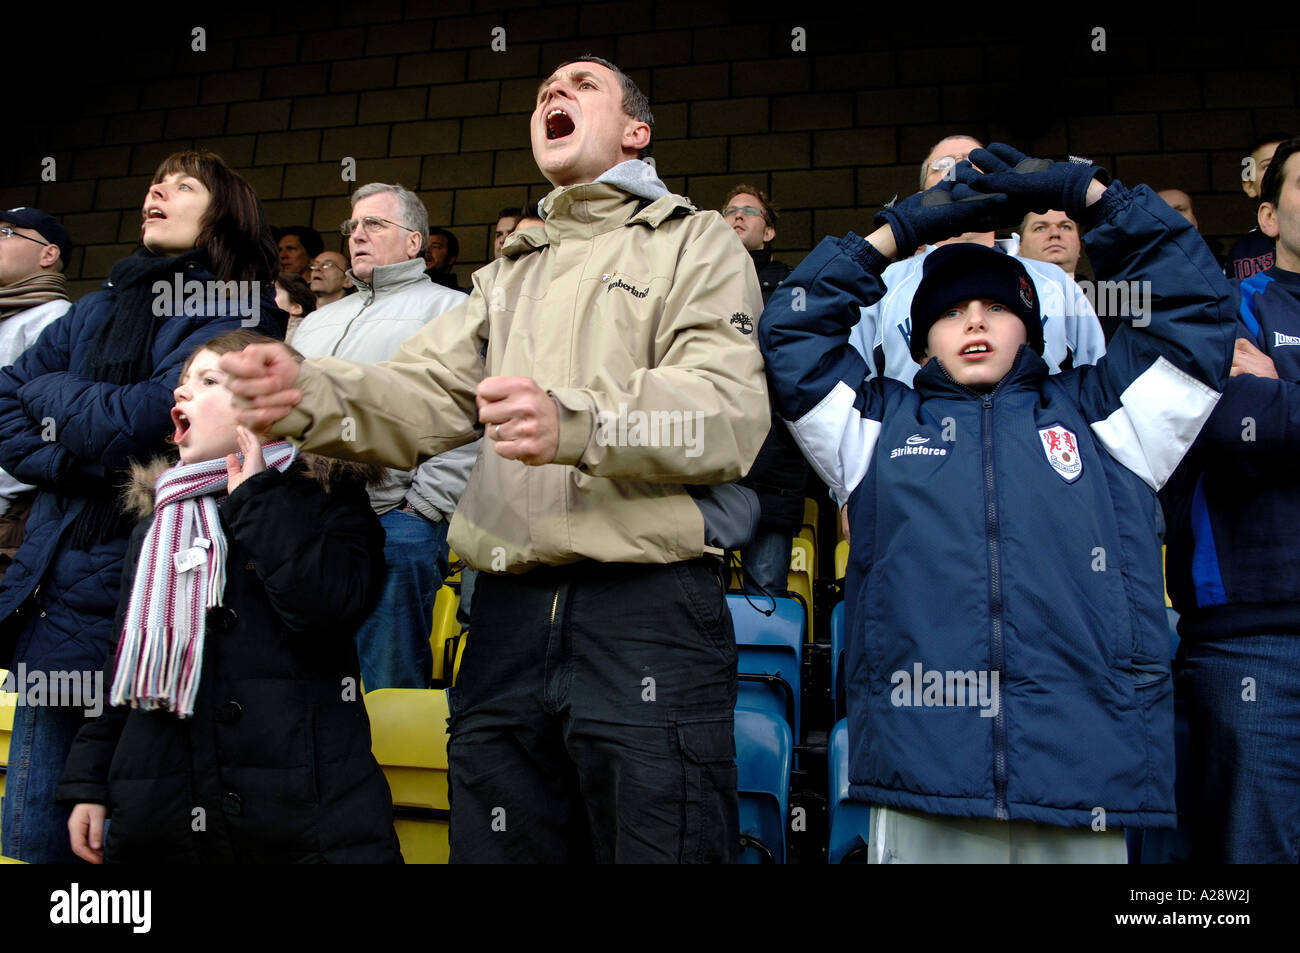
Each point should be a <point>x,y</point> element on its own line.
<point>414,93</point>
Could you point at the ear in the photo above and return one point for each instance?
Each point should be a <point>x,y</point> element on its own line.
<point>414,245</point>
<point>49,255</point>
<point>1251,187</point>
<point>1267,218</point>
<point>636,135</point>
<point>295,309</point>
<point>347,280</point>
<point>769,233</point>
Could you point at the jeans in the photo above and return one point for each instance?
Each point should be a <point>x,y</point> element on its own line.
<point>767,560</point>
<point>35,829</point>
<point>593,719</point>
<point>1243,781</point>
<point>393,643</point>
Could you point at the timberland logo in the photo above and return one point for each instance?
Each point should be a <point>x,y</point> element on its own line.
<point>612,282</point>
<point>1284,340</point>
<point>742,322</point>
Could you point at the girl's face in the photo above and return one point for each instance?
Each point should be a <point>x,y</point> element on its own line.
<point>286,304</point>
<point>204,414</point>
<point>173,214</point>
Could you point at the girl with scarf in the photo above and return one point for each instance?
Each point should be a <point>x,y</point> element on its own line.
<point>91,396</point>
<point>237,732</point>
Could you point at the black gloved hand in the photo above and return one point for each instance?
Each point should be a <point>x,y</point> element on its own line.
<point>1031,185</point>
<point>943,211</point>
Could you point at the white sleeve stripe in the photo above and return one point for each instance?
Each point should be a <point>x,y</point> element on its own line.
<point>837,440</point>
<point>1160,414</point>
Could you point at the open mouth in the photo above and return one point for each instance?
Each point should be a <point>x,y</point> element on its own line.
<point>558,124</point>
<point>182,425</point>
<point>975,350</point>
<point>154,214</point>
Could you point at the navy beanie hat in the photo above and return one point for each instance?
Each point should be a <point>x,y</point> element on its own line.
<point>955,273</point>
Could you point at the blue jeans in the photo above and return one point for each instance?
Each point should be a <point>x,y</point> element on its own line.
<point>1243,777</point>
<point>34,828</point>
<point>767,560</point>
<point>393,643</point>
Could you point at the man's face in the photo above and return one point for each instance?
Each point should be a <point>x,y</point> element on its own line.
<point>936,163</point>
<point>1261,158</point>
<point>744,213</point>
<point>1052,237</point>
<point>20,257</point>
<point>579,129</point>
<point>1282,221</point>
<point>293,257</point>
<point>388,246</point>
<point>436,254</point>
<point>505,228</point>
<point>1180,202</point>
<point>329,273</point>
<point>976,341</point>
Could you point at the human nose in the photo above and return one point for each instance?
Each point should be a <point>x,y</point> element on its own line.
<point>975,316</point>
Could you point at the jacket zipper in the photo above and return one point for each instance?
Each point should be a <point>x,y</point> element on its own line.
<point>554,603</point>
<point>995,614</point>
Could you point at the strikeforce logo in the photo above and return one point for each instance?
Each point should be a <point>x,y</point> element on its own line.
<point>915,446</point>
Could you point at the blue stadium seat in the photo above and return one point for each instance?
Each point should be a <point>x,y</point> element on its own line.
<point>764,751</point>
<point>837,661</point>
<point>1173,632</point>
<point>769,654</point>
<point>850,821</point>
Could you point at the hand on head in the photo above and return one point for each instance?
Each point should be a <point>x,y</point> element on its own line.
<point>522,420</point>
<point>261,377</point>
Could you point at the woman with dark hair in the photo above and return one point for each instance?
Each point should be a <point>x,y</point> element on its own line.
<point>294,297</point>
<point>89,398</point>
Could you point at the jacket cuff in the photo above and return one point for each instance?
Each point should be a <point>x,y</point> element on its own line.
<point>864,253</point>
<point>295,426</point>
<point>72,793</point>
<point>1114,200</point>
<point>577,421</point>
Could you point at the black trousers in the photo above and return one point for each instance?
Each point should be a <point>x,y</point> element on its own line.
<point>593,718</point>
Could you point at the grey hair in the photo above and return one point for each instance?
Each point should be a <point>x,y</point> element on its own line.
<point>414,215</point>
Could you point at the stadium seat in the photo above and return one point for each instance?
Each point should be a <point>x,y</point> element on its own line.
<point>764,749</point>
<point>837,661</point>
<point>455,564</point>
<point>841,560</point>
<point>446,632</point>
<point>408,729</point>
<point>809,529</point>
<point>769,649</point>
<point>850,821</point>
<point>1172,616</point>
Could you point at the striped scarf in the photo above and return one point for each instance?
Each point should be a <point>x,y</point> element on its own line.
<point>32,291</point>
<point>181,574</point>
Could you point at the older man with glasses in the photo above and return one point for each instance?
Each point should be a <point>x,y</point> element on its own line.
<point>329,278</point>
<point>394,299</point>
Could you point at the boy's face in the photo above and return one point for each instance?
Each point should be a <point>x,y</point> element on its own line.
<point>204,414</point>
<point>976,342</point>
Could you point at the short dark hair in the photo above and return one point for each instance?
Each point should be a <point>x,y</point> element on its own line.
<point>453,244</point>
<point>769,213</point>
<point>299,291</point>
<point>510,211</point>
<point>1262,140</point>
<point>635,103</point>
<point>233,341</point>
<point>1270,190</point>
<point>311,241</point>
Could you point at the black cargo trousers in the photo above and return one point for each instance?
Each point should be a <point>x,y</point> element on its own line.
<point>593,718</point>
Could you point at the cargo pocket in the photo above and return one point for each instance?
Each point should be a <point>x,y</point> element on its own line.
<point>711,826</point>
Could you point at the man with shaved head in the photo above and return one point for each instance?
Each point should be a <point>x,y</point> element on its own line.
<point>329,278</point>
<point>609,360</point>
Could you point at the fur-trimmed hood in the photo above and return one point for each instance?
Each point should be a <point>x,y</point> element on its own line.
<point>138,492</point>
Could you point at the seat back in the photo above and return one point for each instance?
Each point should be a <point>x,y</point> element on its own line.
<point>769,654</point>
<point>408,730</point>
<point>850,821</point>
<point>764,749</point>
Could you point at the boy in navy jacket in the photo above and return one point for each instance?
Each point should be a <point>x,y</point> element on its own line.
<point>1006,638</point>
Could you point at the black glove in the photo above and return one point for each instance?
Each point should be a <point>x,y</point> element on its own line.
<point>1031,185</point>
<point>943,211</point>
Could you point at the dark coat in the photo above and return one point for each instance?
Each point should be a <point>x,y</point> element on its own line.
<point>275,764</point>
<point>69,436</point>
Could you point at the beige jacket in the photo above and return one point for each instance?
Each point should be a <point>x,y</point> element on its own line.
<point>637,323</point>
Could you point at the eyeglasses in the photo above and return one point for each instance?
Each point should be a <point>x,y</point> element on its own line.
<point>324,266</point>
<point>731,210</point>
<point>371,224</point>
<point>7,232</point>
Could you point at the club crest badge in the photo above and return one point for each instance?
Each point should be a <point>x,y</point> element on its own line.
<point>1062,449</point>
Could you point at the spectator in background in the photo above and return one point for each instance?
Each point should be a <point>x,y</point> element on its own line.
<point>1233,512</point>
<point>1181,203</point>
<point>33,292</point>
<point>329,278</point>
<point>293,296</point>
<point>91,396</point>
<point>1051,237</point>
<point>780,471</point>
<point>530,218</point>
<point>507,222</point>
<point>299,245</point>
<point>1253,252</point>
<point>440,254</point>
<point>394,300</point>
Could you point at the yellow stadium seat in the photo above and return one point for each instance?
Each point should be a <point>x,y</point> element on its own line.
<point>802,573</point>
<point>841,560</point>
<point>455,564</point>
<point>8,700</point>
<point>1164,565</point>
<point>446,630</point>
<point>809,528</point>
<point>408,729</point>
